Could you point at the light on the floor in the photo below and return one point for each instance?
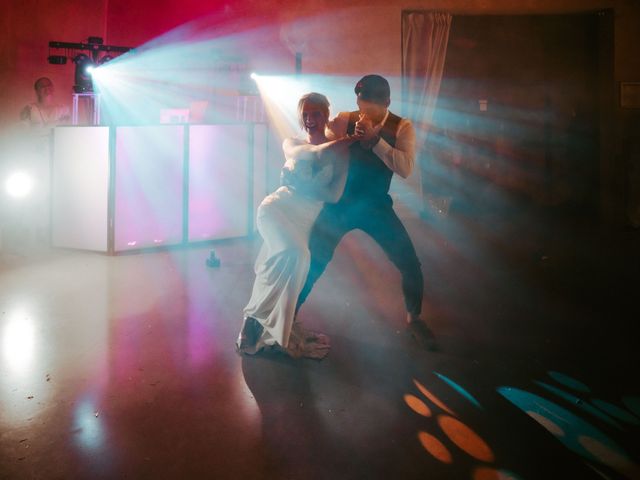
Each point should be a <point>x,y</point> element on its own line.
<point>466,439</point>
<point>574,432</point>
<point>19,184</point>
<point>435,447</point>
<point>458,388</point>
<point>615,411</point>
<point>18,342</point>
<point>568,381</point>
<point>485,473</point>
<point>417,405</point>
<point>431,396</point>
<point>88,422</point>
<point>452,428</point>
<point>575,400</point>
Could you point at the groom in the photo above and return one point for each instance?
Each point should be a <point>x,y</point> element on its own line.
<point>387,146</point>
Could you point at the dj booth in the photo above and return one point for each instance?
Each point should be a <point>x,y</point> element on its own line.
<point>123,188</point>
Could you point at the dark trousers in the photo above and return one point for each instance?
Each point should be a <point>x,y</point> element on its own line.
<point>380,222</point>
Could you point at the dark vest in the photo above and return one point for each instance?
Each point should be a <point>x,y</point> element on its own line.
<point>369,178</point>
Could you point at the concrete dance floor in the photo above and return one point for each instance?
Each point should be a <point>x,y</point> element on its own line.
<point>124,367</point>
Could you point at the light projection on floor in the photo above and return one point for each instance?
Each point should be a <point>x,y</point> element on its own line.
<point>88,427</point>
<point>581,436</point>
<point>453,432</point>
<point>18,342</point>
<point>24,386</point>
<point>458,388</point>
<point>572,417</point>
<point>582,405</point>
<point>632,403</point>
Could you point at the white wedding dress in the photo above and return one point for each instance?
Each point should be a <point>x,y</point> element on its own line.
<point>284,221</point>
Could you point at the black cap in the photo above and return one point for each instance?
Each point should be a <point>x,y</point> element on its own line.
<point>373,88</point>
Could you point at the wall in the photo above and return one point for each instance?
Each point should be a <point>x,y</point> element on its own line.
<point>335,39</point>
<point>26,27</point>
<point>365,33</point>
<point>537,137</point>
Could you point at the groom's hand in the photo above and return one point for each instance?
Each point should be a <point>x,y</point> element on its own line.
<point>364,127</point>
<point>370,137</point>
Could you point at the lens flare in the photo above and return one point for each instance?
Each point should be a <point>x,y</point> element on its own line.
<point>19,184</point>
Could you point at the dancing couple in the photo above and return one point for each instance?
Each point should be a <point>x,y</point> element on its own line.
<point>335,180</point>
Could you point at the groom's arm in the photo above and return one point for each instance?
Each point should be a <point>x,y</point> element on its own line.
<point>401,158</point>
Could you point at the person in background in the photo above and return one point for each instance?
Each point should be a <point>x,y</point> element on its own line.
<point>44,112</point>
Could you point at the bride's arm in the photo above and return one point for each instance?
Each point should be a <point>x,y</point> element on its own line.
<point>332,191</point>
<point>296,149</point>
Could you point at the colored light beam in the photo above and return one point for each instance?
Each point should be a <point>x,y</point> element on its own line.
<point>459,389</point>
<point>204,60</point>
<point>573,432</point>
<point>579,403</point>
<point>568,381</point>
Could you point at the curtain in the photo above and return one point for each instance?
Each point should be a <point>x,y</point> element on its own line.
<point>424,46</point>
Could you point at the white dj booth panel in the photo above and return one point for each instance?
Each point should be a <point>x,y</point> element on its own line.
<point>219,158</point>
<point>80,188</point>
<point>148,189</point>
<point>125,188</point>
<point>227,179</point>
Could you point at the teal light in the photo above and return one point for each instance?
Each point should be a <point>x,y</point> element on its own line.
<point>567,381</point>
<point>572,431</point>
<point>459,389</point>
<point>580,403</point>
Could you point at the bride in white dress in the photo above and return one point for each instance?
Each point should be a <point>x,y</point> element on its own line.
<point>314,172</point>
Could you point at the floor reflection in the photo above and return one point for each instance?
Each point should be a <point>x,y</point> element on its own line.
<point>18,343</point>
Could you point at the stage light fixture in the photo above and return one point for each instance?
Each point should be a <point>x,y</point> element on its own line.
<point>57,59</point>
<point>84,63</point>
<point>105,59</point>
<point>84,67</point>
